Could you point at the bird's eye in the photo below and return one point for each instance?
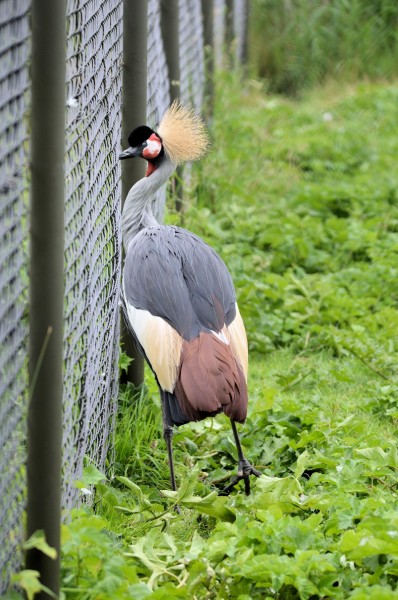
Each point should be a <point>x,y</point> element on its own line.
<point>144,144</point>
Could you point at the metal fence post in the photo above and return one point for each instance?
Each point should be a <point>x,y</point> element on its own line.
<point>134,113</point>
<point>208,32</point>
<point>230,32</point>
<point>171,44</point>
<point>46,283</point>
<point>245,33</point>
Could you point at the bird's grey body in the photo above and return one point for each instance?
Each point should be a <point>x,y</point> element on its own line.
<point>174,275</point>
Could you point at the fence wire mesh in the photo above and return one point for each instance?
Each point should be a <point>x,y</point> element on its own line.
<point>158,95</point>
<point>240,24</point>
<point>219,11</point>
<point>191,52</point>
<point>92,239</point>
<point>14,103</point>
<point>92,228</point>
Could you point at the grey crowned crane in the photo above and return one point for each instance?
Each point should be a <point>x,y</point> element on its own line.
<point>179,299</point>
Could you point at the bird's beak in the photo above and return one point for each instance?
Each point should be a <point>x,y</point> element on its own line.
<point>129,153</point>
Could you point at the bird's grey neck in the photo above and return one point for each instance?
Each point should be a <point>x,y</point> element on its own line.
<point>137,210</point>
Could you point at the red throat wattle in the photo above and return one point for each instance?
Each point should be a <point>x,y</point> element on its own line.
<point>150,168</point>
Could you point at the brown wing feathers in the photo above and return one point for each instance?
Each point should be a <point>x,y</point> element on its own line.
<point>210,380</point>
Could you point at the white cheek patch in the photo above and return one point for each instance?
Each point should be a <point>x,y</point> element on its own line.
<point>152,149</point>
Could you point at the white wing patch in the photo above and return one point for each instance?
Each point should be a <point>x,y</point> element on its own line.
<point>161,344</point>
<point>237,335</point>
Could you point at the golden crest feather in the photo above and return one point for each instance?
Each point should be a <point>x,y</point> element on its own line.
<point>183,134</point>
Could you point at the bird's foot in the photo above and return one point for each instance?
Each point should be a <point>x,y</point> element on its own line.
<point>245,469</point>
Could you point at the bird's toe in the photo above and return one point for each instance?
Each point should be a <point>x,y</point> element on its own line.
<point>245,469</point>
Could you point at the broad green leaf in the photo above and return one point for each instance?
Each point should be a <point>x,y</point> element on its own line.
<point>139,591</point>
<point>90,476</point>
<point>278,489</point>
<point>29,581</point>
<point>214,508</point>
<point>186,488</point>
<point>380,457</point>
<point>307,437</point>
<point>305,587</point>
<point>212,504</point>
<point>357,545</point>
<point>374,592</point>
<point>137,492</point>
<point>152,550</point>
<point>124,361</point>
<point>376,454</point>
<point>197,545</point>
<point>217,549</point>
<point>188,484</point>
<point>38,541</point>
<point>302,462</point>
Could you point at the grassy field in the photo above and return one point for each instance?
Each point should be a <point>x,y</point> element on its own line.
<point>300,199</point>
<point>296,44</point>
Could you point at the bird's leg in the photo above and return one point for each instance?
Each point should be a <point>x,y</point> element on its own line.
<point>168,436</point>
<point>245,469</point>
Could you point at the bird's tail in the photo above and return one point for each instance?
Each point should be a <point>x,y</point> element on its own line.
<point>210,380</point>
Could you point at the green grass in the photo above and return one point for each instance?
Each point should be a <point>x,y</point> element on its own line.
<point>296,44</point>
<point>300,199</point>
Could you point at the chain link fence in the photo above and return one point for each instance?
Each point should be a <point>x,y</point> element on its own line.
<point>14,105</point>
<point>240,10</point>
<point>240,25</point>
<point>92,250</point>
<point>191,52</point>
<point>158,92</point>
<point>92,240</point>
<point>219,11</point>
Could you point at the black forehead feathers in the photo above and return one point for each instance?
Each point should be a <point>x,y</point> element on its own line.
<point>139,135</point>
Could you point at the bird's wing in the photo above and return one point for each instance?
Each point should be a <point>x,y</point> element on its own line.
<point>212,293</point>
<point>175,287</point>
<point>174,275</point>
